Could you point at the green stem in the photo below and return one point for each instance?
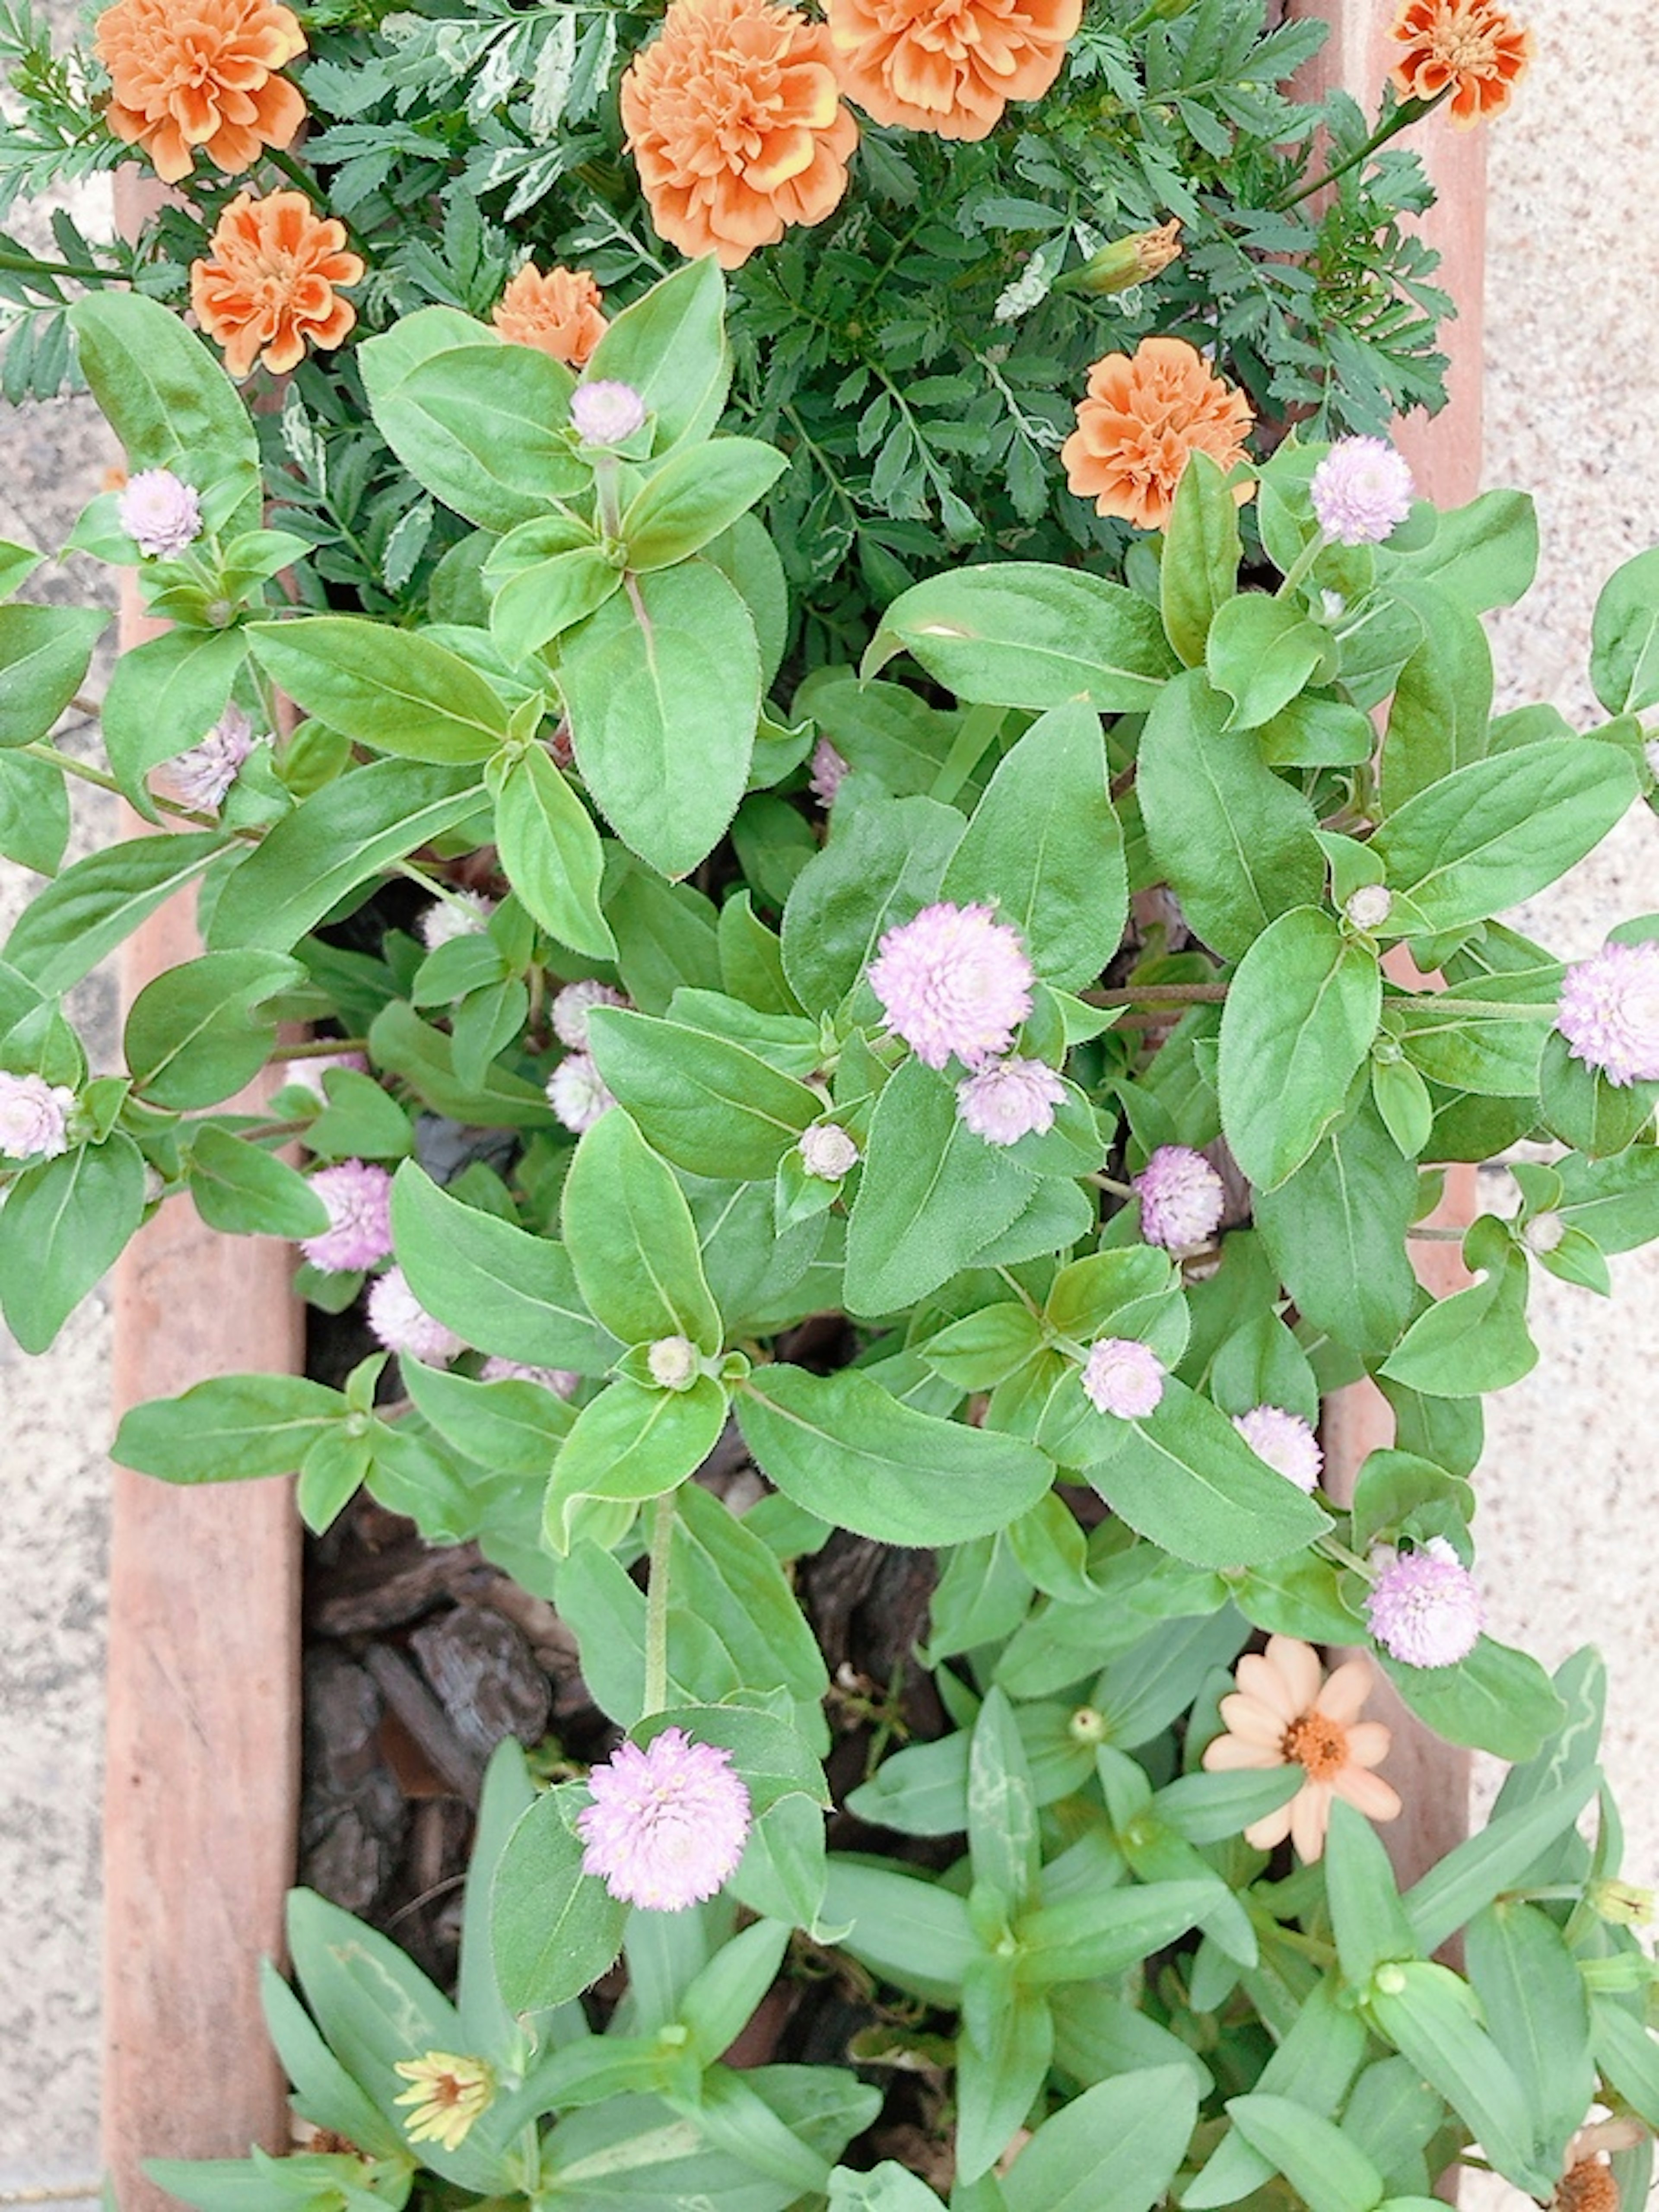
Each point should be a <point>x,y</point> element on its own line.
<point>26,264</point>
<point>1117,1189</point>
<point>1303,560</point>
<point>656,1606</point>
<point>88,773</point>
<point>1147,994</point>
<point>1408,112</point>
<point>1497,1010</point>
<point>319,1047</point>
<point>979,726</point>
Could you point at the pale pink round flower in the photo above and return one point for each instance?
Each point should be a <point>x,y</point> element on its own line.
<point>1124,1376</point>
<point>673,1362</point>
<point>34,1117</point>
<point>1609,1012</point>
<point>606,412</point>
<point>1424,1607</point>
<point>563,1382</point>
<point>572,1005</point>
<point>1181,1198</point>
<point>463,913</point>
<point>359,1200</point>
<point>577,1091</point>
<point>399,1320</point>
<point>1361,491</point>
<point>955,980</point>
<point>307,1074</point>
<point>159,513</point>
<point>827,1152</point>
<point>1285,1441</point>
<point>1010,1099</point>
<point>828,771</point>
<point>204,774</point>
<point>668,1824</point>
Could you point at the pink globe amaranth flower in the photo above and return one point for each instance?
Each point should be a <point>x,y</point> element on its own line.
<point>463,913</point>
<point>563,1382</point>
<point>159,513</point>
<point>1424,1607</point>
<point>1609,1012</point>
<point>572,1005</point>
<point>1285,1441</point>
<point>307,1074</point>
<point>955,980</point>
<point>399,1320</point>
<point>1009,1100</point>
<point>668,1824</point>
<point>359,1232</point>
<point>1361,491</point>
<point>1370,907</point>
<point>827,773</point>
<point>1181,1198</point>
<point>606,413</point>
<point>204,774</point>
<point>577,1093</point>
<point>1123,1376</point>
<point>34,1117</point>
<point>827,1152</point>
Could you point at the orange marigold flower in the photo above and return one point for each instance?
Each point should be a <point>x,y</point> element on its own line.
<point>1474,48</point>
<point>949,66</point>
<point>1145,412</point>
<point>558,312</point>
<point>735,118</point>
<point>201,74</point>
<point>268,290</point>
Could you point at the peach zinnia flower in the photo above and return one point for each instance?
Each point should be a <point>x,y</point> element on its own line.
<point>202,74</point>
<point>268,288</point>
<point>1144,413</point>
<point>734,115</point>
<point>1477,49</point>
<point>1285,1713</point>
<point>949,66</point>
<point>558,312</point>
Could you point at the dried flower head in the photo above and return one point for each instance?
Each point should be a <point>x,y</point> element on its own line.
<point>949,66</point>
<point>827,1152</point>
<point>1609,1012</point>
<point>735,118</point>
<point>827,773</point>
<point>448,2095</point>
<point>159,513</point>
<point>572,1005</point>
<point>1424,1607</point>
<point>557,311</point>
<point>1285,1441</point>
<point>200,75</point>
<point>577,1092</point>
<point>204,774</point>
<point>1123,1376</point>
<point>34,1117</point>
<point>1284,1712</point>
<point>358,1197</point>
<point>462,913</point>
<point>1476,49</point>
<point>1181,1198</point>
<point>667,1825</point>
<point>606,412</point>
<point>1361,491</point>
<point>1010,1099</point>
<point>398,1320</point>
<point>307,1074</point>
<point>1123,262</point>
<point>1144,413</point>
<point>954,980</point>
<point>267,290</point>
<point>563,1382</point>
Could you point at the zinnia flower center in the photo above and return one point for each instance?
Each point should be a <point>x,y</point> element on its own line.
<point>1317,1743</point>
<point>1587,2187</point>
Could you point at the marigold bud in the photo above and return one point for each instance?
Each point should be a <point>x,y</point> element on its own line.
<point>1126,262</point>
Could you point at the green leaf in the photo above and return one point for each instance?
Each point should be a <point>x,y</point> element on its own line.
<point>1045,849</point>
<point>45,653</point>
<point>703,1102</point>
<point>1026,634</point>
<point>1484,555</point>
<point>1498,1700</point>
<point>669,345</point>
<point>34,814</point>
<point>1494,1859</point>
<point>877,870</point>
<point>195,1035</point>
<point>78,920</point>
<point>554,1931</point>
<point>1625,638</point>
<point>1628,2055</point>
<point>1199,572</point>
<point>1260,653</point>
<point>1236,842</point>
<point>509,1427</point>
<point>401,1043</point>
<point>1476,1341</point>
<point>498,1286</point>
<point>1428,2019</point>
<point>1116,2148</point>
<point>907,1929</point>
<point>1442,706</point>
<point>1336,1232</point>
<point>162,392</point>
<point>727,1578</point>
<point>1003,2051</point>
<point>342,836</point>
<point>632,1241</point>
<point>662,687</point>
<point>1002,1814</point>
<point>696,494</point>
<point>1105,1931</point>
<point>392,689</point>
<point>360,1121</point>
<point>1582,1108</point>
<point>1537,2014</point>
<point>841,1447</point>
<point>1313,731</point>
<point>163,696</point>
<point>552,854</point>
<point>66,1221</point>
<point>633,1442</point>
<point>1367,1918</point>
<point>1301,1012</point>
<point>236,1187</point>
<point>1327,2169</point>
<point>538,601</point>
<point>229,1428</point>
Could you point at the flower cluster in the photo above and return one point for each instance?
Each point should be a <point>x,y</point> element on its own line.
<point>34,1117</point>
<point>1181,1198</point>
<point>1609,1012</point>
<point>1424,1607</point>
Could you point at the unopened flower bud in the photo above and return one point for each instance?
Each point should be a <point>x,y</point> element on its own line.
<point>1620,1903</point>
<point>606,413</point>
<point>1370,907</point>
<point>1390,1981</point>
<point>1086,1725</point>
<point>673,1362</point>
<point>828,1151</point>
<point>1543,1233</point>
<point>1126,262</point>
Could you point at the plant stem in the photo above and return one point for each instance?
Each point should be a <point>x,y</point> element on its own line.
<point>1117,1189</point>
<point>1436,1236</point>
<point>96,775</point>
<point>1303,560</point>
<point>656,1606</point>
<point>1408,112</point>
<point>1145,994</point>
<point>319,1047</point>
<point>26,264</point>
